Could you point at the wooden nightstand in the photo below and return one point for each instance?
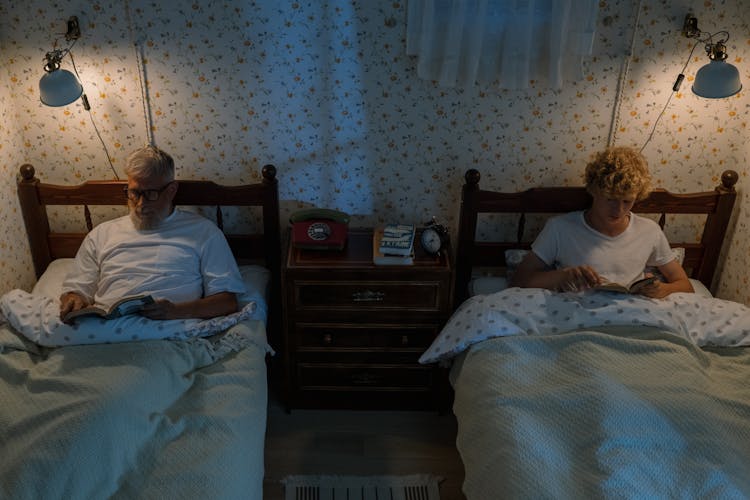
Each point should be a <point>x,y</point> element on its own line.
<point>353,331</point>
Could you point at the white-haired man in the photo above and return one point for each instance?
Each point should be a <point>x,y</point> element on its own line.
<point>181,259</point>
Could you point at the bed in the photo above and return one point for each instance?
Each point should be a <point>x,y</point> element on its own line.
<point>147,419</point>
<point>595,394</point>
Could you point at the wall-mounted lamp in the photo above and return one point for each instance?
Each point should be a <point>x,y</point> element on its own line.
<point>718,78</point>
<point>60,87</point>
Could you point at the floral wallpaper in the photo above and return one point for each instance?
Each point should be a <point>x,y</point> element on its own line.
<point>323,90</point>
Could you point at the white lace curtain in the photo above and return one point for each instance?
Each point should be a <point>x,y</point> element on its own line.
<point>511,42</point>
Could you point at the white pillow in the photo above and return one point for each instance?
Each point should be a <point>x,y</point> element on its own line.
<point>256,280</point>
<point>255,277</point>
<point>50,282</point>
<point>485,285</point>
<point>699,288</point>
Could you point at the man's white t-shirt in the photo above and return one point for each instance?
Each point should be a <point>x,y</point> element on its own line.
<point>186,258</point>
<point>567,240</point>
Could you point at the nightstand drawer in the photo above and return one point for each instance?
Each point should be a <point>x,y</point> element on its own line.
<point>368,295</point>
<point>366,377</point>
<point>335,336</point>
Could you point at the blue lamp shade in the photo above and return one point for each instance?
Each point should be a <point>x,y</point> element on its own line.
<point>717,79</point>
<point>59,87</point>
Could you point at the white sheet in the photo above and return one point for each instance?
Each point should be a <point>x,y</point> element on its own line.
<point>35,315</point>
<point>533,311</point>
<point>38,319</point>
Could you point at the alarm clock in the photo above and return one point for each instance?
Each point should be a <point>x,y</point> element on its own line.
<point>434,237</point>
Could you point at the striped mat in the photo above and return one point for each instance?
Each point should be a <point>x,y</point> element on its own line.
<point>411,487</point>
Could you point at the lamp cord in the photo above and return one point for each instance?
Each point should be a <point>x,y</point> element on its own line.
<point>141,76</point>
<point>87,107</point>
<point>621,80</point>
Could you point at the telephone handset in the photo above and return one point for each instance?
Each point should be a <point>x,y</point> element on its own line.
<point>319,229</point>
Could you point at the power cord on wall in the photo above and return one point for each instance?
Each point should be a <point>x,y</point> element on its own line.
<point>141,76</point>
<point>87,107</point>
<point>675,88</point>
<point>623,77</point>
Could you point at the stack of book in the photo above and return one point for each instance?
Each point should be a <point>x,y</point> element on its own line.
<point>393,245</point>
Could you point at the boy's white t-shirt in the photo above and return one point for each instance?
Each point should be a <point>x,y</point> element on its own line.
<point>567,240</point>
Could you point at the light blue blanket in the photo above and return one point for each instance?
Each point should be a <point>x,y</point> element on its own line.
<point>152,419</point>
<point>610,412</point>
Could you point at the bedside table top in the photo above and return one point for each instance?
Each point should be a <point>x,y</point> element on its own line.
<point>358,254</point>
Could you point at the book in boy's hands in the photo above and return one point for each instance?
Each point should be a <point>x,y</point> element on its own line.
<point>633,287</point>
<point>123,307</point>
<point>381,259</point>
<point>397,239</point>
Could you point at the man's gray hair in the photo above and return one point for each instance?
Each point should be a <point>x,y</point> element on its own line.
<point>149,161</point>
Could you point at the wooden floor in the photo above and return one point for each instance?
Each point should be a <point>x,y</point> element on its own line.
<point>360,443</point>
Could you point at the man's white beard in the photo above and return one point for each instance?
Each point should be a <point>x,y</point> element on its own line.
<point>151,221</point>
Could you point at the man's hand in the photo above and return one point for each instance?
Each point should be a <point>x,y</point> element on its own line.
<point>219,304</point>
<point>72,301</point>
<point>160,309</point>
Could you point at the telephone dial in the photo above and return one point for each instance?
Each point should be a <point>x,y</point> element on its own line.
<point>319,229</point>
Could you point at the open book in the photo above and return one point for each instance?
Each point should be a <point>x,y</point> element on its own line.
<point>123,307</point>
<point>633,287</point>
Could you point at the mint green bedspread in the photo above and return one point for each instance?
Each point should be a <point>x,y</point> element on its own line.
<point>153,419</point>
<point>622,412</point>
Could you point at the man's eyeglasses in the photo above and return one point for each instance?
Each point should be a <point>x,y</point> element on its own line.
<point>148,194</point>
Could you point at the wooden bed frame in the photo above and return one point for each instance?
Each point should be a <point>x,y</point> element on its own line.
<point>264,248</point>
<point>700,258</point>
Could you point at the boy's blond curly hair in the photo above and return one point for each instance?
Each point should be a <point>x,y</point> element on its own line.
<point>618,171</point>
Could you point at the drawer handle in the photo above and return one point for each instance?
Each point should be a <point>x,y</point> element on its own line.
<point>328,339</point>
<point>365,378</point>
<point>368,296</point>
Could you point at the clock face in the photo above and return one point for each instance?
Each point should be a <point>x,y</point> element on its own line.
<point>431,241</point>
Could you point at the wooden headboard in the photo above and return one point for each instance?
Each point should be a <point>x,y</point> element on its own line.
<point>46,245</point>
<point>700,258</point>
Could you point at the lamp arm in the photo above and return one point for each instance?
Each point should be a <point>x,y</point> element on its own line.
<point>54,57</point>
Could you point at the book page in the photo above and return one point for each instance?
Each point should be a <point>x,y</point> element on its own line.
<point>634,287</point>
<point>123,307</point>
<point>129,305</point>
<point>612,287</point>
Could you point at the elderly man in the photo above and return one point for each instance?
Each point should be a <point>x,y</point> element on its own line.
<point>180,258</point>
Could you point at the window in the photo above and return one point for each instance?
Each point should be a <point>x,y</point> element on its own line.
<point>505,42</point>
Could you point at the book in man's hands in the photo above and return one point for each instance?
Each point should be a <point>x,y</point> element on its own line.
<point>123,307</point>
<point>381,259</point>
<point>397,239</point>
<point>633,287</point>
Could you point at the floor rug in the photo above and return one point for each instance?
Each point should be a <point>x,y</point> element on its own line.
<point>411,487</point>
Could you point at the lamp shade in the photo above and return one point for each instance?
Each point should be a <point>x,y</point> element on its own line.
<point>717,79</point>
<point>59,87</point>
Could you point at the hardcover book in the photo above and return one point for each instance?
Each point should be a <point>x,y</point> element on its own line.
<point>381,259</point>
<point>397,239</point>
<point>633,287</point>
<point>123,307</point>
